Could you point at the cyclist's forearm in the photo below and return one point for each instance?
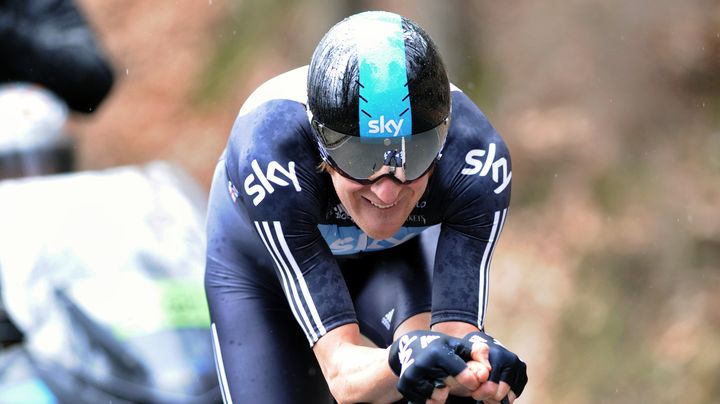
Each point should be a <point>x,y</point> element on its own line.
<point>362,374</point>
<point>455,328</point>
<point>355,373</point>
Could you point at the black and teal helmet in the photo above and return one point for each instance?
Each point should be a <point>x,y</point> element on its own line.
<point>378,96</point>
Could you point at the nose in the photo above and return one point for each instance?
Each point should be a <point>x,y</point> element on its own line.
<point>386,190</point>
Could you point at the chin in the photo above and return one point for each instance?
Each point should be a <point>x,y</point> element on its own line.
<point>380,232</point>
<point>382,225</point>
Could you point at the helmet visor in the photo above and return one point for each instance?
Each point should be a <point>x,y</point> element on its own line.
<point>365,159</point>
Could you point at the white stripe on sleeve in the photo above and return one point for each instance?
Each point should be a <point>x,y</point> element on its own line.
<point>485,269</point>
<point>300,279</point>
<point>284,267</point>
<point>288,292</point>
<point>220,368</point>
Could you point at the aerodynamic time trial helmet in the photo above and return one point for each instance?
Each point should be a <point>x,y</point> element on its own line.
<point>378,98</point>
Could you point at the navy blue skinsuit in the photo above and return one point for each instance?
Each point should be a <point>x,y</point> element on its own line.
<point>286,264</point>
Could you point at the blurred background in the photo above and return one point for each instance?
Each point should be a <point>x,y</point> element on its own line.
<point>607,277</point>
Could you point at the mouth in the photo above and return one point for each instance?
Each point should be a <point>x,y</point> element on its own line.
<point>381,206</point>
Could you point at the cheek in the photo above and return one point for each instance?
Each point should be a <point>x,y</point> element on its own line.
<point>418,188</point>
<point>345,188</point>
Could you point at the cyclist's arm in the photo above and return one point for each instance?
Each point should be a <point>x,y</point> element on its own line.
<point>475,178</point>
<point>355,371</point>
<point>478,185</point>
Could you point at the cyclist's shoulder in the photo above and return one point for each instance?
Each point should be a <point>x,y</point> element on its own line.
<point>271,149</point>
<point>272,123</point>
<point>475,163</point>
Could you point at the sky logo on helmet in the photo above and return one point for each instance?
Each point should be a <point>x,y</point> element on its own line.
<point>384,98</point>
<point>383,126</point>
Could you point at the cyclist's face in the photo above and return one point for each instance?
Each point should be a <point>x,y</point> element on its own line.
<point>380,208</point>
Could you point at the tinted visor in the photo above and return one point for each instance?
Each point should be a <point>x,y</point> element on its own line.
<point>360,158</point>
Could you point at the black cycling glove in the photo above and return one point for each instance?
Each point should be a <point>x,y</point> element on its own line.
<point>506,366</point>
<point>423,359</point>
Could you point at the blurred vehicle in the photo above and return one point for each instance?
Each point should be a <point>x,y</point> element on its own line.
<point>102,274</point>
<point>32,142</point>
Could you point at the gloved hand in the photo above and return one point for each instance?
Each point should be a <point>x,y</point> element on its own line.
<point>506,366</point>
<point>423,359</point>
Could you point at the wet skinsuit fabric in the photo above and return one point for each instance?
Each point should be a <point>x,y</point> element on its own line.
<point>286,264</point>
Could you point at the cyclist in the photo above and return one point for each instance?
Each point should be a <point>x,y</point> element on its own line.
<point>351,223</point>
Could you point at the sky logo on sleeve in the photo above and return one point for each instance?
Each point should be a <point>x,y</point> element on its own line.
<point>274,174</point>
<point>476,166</point>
